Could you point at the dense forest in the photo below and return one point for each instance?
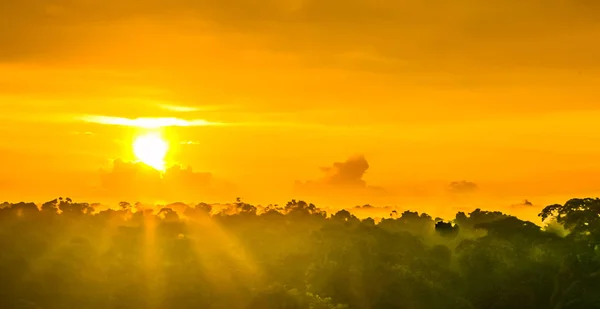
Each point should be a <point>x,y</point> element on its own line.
<point>69,255</point>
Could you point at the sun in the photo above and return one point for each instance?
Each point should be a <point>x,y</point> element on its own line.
<point>151,149</point>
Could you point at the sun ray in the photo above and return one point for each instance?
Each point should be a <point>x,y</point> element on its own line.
<point>213,241</point>
<point>150,257</point>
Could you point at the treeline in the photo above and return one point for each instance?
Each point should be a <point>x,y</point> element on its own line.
<point>66,255</point>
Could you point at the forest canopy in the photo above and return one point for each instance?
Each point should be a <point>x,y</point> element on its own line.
<point>66,254</point>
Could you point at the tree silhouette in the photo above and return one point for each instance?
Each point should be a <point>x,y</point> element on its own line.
<point>65,254</point>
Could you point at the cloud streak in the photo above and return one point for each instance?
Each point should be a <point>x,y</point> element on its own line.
<point>190,143</point>
<point>147,122</point>
<point>162,122</point>
<point>179,108</point>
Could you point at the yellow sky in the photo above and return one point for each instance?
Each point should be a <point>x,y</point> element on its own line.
<point>503,94</point>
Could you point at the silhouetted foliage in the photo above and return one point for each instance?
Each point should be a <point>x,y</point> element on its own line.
<point>446,229</point>
<point>65,254</point>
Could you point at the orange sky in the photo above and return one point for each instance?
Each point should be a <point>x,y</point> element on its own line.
<point>500,93</point>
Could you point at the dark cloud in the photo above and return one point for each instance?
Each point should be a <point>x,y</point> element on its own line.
<point>372,211</point>
<point>366,206</point>
<point>456,32</point>
<point>344,176</point>
<point>348,173</point>
<point>463,187</point>
<point>136,181</point>
<point>523,204</point>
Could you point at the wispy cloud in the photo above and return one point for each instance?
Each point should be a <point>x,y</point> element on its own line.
<point>189,109</point>
<point>179,108</point>
<point>190,143</point>
<point>82,133</point>
<point>161,122</point>
<point>149,123</point>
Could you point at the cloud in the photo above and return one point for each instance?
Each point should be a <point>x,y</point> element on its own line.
<point>197,108</point>
<point>342,177</point>
<point>82,133</point>
<point>346,174</point>
<point>408,30</point>
<point>366,211</point>
<point>190,143</point>
<point>137,181</point>
<point>463,186</point>
<point>161,122</point>
<point>524,204</point>
<point>179,109</point>
<point>149,123</point>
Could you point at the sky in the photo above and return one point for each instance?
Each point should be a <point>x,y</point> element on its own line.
<point>419,103</point>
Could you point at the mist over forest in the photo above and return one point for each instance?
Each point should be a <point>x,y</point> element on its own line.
<point>67,254</point>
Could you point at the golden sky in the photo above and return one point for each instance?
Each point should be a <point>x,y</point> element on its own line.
<point>265,96</point>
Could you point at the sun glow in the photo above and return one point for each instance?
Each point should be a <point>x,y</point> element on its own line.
<point>151,149</point>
